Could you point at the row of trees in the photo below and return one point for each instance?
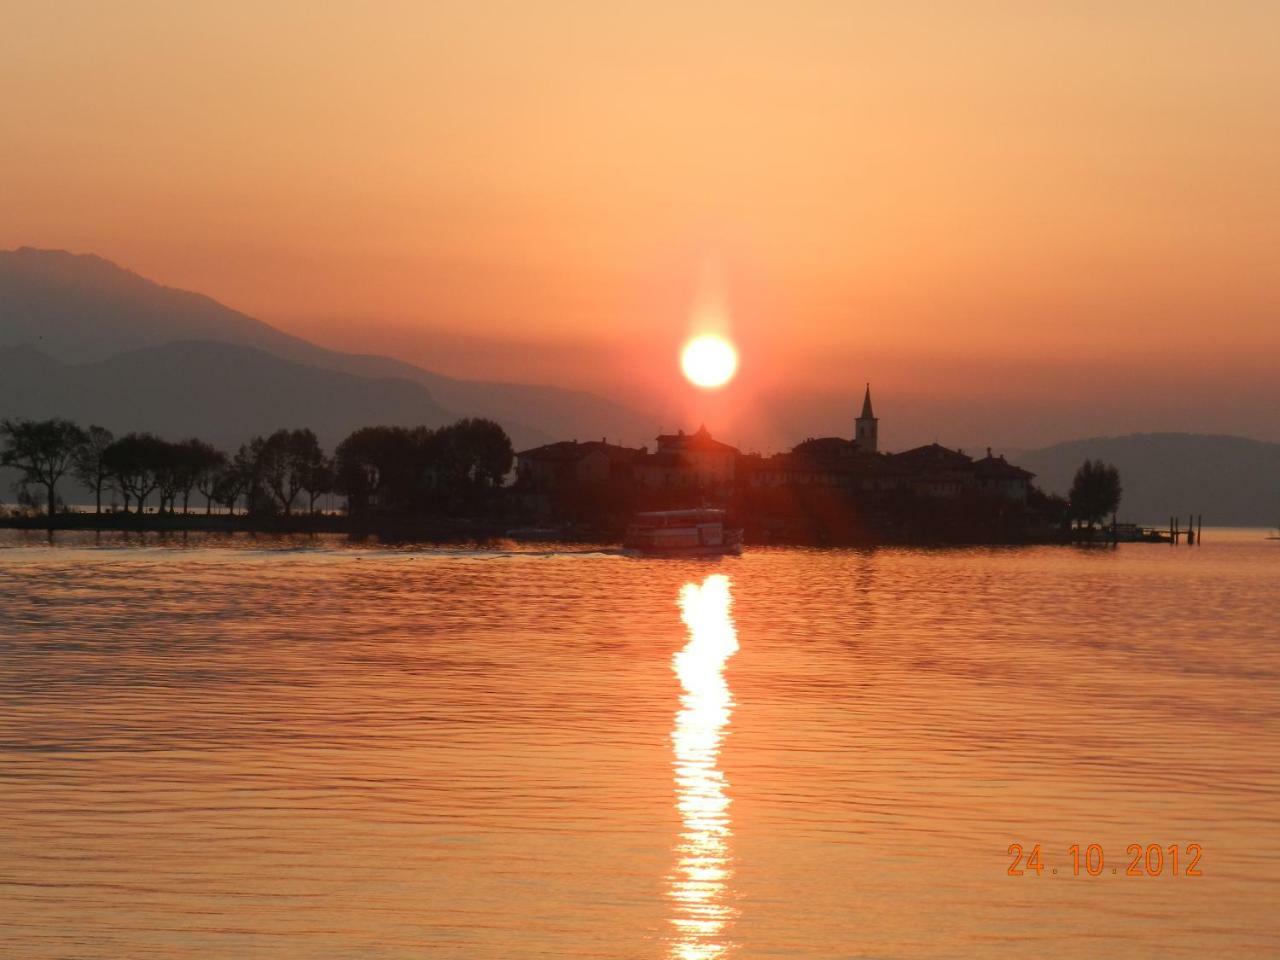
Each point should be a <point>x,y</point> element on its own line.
<point>385,469</point>
<point>398,470</point>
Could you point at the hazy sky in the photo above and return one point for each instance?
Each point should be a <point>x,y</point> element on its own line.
<point>1015,218</point>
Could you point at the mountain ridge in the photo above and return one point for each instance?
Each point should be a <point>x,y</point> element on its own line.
<point>85,308</point>
<point>1231,480</point>
<point>221,392</point>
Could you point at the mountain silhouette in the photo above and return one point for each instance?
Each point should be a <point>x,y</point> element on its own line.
<point>217,391</point>
<point>1231,480</point>
<point>80,310</point>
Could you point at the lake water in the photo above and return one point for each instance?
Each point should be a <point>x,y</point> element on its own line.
<point>248,748</point>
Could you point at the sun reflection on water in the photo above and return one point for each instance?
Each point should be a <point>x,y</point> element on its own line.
<point>699,884</point>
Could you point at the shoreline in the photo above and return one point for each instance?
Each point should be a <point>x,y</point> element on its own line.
<point>455,530</point>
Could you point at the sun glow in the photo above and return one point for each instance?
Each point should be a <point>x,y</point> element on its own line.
<point>709,361</point>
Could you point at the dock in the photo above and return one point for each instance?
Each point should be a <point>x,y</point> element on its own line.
<point>1116,532</point>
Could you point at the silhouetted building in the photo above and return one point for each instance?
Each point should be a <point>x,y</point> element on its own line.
<point>997,477</point>
<point>822,462</point>
<point>697,462</point>
<point>688,460</point>
<point>936,471</point>
<point>932,471</point>
<point>571,462</point>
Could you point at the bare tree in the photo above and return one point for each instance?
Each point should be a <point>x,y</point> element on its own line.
<point>90,468</point>
<point>136,462</point>
<point>287,462</point>
<point>194,462</point>
<point>228,484</point>
<point>212,463</point>
<point>318,479</point>
<point>44,450</point>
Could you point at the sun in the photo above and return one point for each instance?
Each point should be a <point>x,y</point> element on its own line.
<point>709,361</point>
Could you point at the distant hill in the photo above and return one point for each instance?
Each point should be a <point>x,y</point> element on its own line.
<point>218,391</point>
<point>80,308</point>
<point>1231,480</point>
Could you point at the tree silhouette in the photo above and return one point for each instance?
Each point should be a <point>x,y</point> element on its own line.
<point>482,450</point>
<point>247,467</point>
<point>89,467</point>
<point>394,470</point>
<point>369,465</point>
<point>286,462</point>
<point>170,473</point>
<point>318,478</point>
<point>420,471</point>
<point>1095,491</point>
<point>137,463</point>
<point>464,461</point>
<point>229,483</point>
<point>192,461</point>
<point>209,463</point>
<point>44,450</point>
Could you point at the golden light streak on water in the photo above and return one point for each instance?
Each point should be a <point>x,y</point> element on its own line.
<point>699,886</point>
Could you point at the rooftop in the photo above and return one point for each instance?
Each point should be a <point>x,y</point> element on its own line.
<point>571,450</point>
<point>701,440</point>
<point>934,456</point>
<point>999,468</point>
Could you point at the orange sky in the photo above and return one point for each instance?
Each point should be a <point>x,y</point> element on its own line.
<point>962,202</point>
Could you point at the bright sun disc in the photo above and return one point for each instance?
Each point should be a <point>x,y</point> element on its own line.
<point>709,361</point>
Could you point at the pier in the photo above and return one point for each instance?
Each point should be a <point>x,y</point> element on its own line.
<point>1191,534</point>
<point>1116,532</point>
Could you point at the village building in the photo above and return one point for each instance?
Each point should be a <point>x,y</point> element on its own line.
<point>570,463</point>
<point>857,464</point>
<point>821,462</point>
<point>936,471</point>
<point>687,461</point>
<point>999,478</point>
<point>699,462</point>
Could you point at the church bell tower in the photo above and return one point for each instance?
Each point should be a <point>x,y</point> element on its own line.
<point>866,427</point>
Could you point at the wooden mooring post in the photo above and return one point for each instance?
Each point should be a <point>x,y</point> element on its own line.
<point>1194,531</point>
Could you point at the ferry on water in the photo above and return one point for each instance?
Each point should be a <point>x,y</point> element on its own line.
<point>682,533</point>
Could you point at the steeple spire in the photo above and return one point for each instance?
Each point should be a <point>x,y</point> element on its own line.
<point>866,431</point>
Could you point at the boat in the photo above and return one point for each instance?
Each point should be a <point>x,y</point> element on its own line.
<point>682,533</point>
<point>1121,533</point>
<point>1133,533</point>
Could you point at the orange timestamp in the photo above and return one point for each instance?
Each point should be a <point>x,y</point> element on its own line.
<point>1151,860</point>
